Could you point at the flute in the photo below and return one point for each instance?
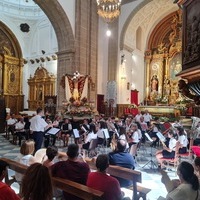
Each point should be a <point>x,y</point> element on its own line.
<point>164,145</point>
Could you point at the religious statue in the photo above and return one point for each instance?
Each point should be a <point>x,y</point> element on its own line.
<point>154,83</point>
<point>167,87</point>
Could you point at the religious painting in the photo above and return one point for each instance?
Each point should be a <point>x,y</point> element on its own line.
<point>175,66</point>
<point>191,34</point>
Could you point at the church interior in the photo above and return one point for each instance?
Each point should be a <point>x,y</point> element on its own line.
<point>107,58</point>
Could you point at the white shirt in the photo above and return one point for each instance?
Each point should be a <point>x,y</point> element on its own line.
<point>19,126</point>
<point>135,137</point>
<point>147,117</point>
<point>90,137</point>
<point>172,144</point>
<point>183,140</point>
<point>37,123</point>
<point>100,133</point>
<point>137,117</point>
<point>23,160</point>
<point>11,121</point>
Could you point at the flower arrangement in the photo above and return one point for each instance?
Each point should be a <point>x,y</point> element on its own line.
<point>78,108</point>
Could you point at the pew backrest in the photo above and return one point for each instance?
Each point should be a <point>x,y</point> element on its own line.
<point>68,186</point>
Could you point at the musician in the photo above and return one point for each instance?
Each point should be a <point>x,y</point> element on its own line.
<point>19,128</point>
<point>90,136</point>
<point>144,128</point>
<point>153,130</point>
<point>66,131</point>
<point>112,127</point>
<point>138,116</point>
<point>128,123</point>
<point>134,135</point>
<point>11,123</point>
<point>167,152</point>
<point>182,138</point>
<point>147,117</point>
<point>100,134</point>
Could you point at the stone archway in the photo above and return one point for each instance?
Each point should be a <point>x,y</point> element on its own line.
<point>66,41</point>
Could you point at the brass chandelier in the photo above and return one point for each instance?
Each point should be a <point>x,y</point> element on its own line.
<point>109,9</point>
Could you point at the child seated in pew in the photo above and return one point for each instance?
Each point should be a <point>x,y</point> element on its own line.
<point>51,153</point>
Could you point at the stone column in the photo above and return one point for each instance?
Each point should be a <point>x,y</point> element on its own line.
<point>86,40</point>
<point>113,51</point>
<point>65,66</point>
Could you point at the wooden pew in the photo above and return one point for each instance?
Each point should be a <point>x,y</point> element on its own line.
<point>68,186</point>
<point>129,174</point>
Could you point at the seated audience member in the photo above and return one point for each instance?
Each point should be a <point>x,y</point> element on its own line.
<point>197,167</point>
<point>72,169</point>
<point>51,152</point>
<point>182,138</point>
<point>26,156</point>
<point>188,186</point>
<point>6,193</point>
<point>167,152</point>
<point>101,181</point>
<point>36,183</point>
<point>123,159</point>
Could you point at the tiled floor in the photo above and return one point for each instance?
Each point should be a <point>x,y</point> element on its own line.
<point>150,177</point>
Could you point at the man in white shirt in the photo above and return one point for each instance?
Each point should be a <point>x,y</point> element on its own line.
<point>38,125</point>
<point>147,117</point>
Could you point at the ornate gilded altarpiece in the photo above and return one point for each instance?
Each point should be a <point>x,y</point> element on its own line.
<point>11,66</point>
<point>163,60</point>
<point>41,85</point>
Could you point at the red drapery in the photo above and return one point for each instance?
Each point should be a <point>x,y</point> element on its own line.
<point>134,97</point>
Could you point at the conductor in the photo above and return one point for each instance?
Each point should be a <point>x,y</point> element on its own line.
<point>38,125</point>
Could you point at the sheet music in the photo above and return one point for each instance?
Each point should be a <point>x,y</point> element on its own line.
<point>53,131</point>
<point>106,133</point>
<point>76,133</point>
<point>148,137</point>
<point>161,136</point>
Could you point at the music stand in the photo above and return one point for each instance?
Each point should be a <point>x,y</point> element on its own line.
<point>49,133</point>
<point>150,162</point>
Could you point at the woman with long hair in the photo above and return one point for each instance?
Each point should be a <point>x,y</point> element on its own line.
<point>36,183</point>
<point>188,187</point>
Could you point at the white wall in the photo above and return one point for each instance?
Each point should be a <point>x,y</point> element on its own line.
<point>69,8</point>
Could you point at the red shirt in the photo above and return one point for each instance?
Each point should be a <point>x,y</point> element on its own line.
<point>105,183</point>
<point>74,171</point>
<point>6,193</point>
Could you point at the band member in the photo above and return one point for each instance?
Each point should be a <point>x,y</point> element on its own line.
<point>66,131</point>
<point>167,152</point>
